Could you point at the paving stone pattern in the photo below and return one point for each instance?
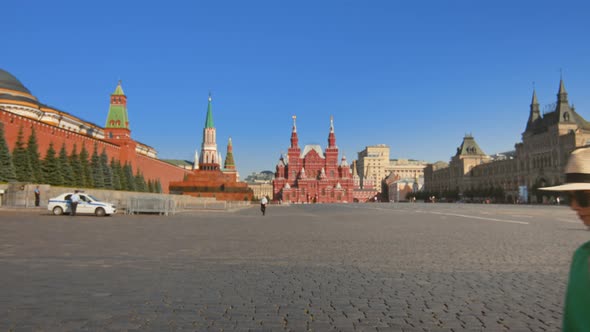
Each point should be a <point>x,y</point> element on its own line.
<point>373,267</point>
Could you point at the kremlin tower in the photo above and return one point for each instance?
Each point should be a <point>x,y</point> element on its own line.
<point>210,158</point>
<point>208,179</point>
<point>117,130</point>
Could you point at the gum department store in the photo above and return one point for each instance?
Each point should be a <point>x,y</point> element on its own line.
<point>539,160</point>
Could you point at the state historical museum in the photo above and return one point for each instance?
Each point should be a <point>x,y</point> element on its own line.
<point>313,175</point>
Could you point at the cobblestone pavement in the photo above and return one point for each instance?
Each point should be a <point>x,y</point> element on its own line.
<point>372,267</point>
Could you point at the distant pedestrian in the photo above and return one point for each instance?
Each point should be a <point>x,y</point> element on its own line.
<point>558,200</point>
<point>577,186</point>
<point>74,204</point>
<point>263,203</point>
<point>37,196</point>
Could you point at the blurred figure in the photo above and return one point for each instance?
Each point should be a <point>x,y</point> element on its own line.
<point>576,315</point>
<point>37,196</point>
<point>75,200</point>
<point>263,203</point>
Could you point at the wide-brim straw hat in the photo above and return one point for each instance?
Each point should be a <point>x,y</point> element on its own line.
<point>577,172</point>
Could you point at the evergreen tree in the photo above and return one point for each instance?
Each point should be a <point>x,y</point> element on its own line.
<point>129,178</point>
<point>106,169</point>
<point>34,157</point>
<point>96,169</point>
<point>85,168</point>
<point>20,158</point>
<point>7,172</point>
<point>140,182</point>
<point>150,186</point>
<point>77,178</point>
<point>123,176</point>
<point>158,186</point>
<point>116,172</point>
<point>66,168</point>
<point>51,170</point>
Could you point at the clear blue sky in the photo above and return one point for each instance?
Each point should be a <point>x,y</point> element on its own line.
<point>416,75</point>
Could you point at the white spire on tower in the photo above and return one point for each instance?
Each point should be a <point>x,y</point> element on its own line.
<point>331,123</point>
<point>196,162</point>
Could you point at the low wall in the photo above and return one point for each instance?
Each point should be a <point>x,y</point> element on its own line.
<point>22,195</point>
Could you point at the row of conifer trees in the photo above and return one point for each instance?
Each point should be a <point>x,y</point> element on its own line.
<point>77,169</point>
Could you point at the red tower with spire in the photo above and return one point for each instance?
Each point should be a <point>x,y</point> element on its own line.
<point>332,152</point>
<point>293,153</point>
<point>117,129</point>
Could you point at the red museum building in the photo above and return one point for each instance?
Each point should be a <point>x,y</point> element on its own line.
<point>313,175</point>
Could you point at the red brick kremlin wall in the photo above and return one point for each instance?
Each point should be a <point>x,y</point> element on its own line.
<point>150,167</point>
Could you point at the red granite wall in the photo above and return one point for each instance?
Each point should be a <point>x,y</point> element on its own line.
<point>213,183</point>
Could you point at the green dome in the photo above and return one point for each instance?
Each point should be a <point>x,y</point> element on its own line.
<point>9,82</point>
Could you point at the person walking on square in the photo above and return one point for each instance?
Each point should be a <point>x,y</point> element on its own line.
<point>263,203</point>
<point>37,196</point>
<point>577,186</point>
<point>74,204</point>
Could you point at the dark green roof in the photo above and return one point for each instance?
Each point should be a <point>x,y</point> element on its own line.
<point>178,162</point>
<point>19,98</point>
<point>9,82</point>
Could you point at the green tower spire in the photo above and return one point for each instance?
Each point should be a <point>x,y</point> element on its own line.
<point>119,90</point>
<point>229,156</point>
<point>117,117</point>
<point>209,120</point>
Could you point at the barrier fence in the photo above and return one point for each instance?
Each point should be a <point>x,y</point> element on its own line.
<point>161,206</point>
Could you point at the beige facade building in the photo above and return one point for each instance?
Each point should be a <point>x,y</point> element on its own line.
<point>261,189</point>
<point>374,165</point>
<point>538,160</point>
<point>406,168</point>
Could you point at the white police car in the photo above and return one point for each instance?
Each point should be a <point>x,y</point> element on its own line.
<point>88,204</point>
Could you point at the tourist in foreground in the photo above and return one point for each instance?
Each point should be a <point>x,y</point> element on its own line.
<point>576,315</point>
